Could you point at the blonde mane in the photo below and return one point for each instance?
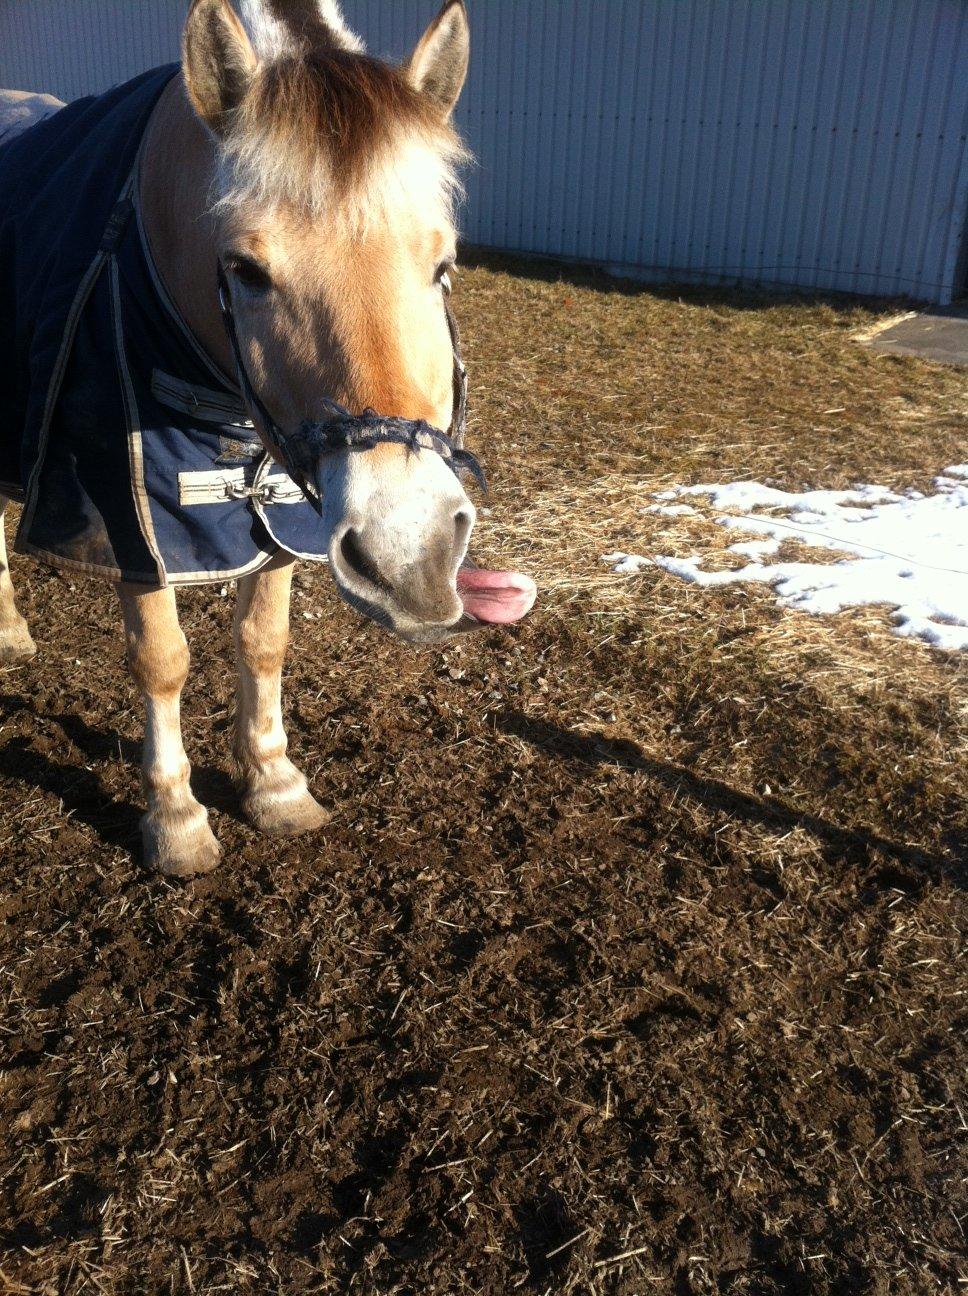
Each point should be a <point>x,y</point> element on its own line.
<point>338,132</point>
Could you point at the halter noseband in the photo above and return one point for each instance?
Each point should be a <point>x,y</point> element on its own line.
<point>341,430</point>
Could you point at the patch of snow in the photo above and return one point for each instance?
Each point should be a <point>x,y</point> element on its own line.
<point>755,548</point>
<point>626,564</point>
<point>671,510</point>
<point>908,551</point>
<point>746,495</point>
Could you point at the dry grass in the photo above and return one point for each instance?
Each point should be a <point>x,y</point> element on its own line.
<point>590,395</point>
<point>629,963</point>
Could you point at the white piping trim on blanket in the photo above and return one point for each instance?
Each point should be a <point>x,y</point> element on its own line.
<point>132,419</point>
<point>100,570</point>
<point>212,578</point>
<point>133,578</point>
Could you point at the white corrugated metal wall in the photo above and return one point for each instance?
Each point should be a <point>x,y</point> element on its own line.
<point>815,143</point>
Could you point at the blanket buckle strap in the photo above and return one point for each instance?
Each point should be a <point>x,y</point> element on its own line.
<point>263,493</point>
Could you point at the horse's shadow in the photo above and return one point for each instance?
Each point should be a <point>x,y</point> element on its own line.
<point>81,789</point>
<point>893,863</point>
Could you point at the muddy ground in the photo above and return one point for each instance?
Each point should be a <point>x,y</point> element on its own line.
<point>629,962</point>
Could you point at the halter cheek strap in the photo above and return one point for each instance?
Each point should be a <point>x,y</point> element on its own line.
<point>458,421</point>
<point>302,451</point>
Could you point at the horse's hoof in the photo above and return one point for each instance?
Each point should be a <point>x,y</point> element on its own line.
<point>284,807</point>
<point>16,644</point>
<point>180,845</point>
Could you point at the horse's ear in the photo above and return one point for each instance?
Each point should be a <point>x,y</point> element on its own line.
<point>217,59</point>
<point>438,66</point>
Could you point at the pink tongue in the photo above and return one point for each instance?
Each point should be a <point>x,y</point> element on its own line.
<point>496,598</point>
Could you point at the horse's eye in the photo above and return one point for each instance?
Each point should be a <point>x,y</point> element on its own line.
<point>250,274</point>
<point>443,274</point>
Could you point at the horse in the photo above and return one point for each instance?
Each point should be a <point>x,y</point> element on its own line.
<point>294,199</point>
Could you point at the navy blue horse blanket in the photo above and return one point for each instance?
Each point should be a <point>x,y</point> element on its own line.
<point>134,455</point>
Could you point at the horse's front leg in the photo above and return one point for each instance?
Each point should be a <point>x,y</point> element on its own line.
<point>15,640</point>
<point>175,831</point>
<point>275,795</point>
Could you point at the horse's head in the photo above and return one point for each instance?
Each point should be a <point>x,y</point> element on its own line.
<point>334,223</point>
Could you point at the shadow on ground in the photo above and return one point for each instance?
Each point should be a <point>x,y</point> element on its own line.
<point>82,789</point>
<point>735,296</point>
<point>764,811</point>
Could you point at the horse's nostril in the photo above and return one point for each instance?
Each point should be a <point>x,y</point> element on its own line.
<point>463,526</point>
<point>360,562</point>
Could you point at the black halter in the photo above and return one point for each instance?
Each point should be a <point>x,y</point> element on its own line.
<point>302,451</point>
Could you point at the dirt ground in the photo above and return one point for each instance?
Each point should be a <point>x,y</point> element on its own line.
<point>630,960</point>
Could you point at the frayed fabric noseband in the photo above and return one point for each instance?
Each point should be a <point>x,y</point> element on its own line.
<point>345,431</point>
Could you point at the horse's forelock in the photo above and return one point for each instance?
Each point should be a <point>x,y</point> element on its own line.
<point>322,128</point>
